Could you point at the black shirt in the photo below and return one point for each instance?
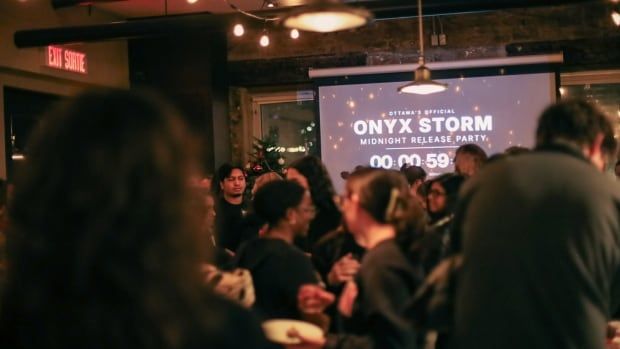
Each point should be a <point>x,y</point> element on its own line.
<point>229,224</point>
<point>386,281</point>
<point>278,270</point>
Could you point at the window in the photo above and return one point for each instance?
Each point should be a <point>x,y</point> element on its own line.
<point>292,114</point>
<point>600,87</point>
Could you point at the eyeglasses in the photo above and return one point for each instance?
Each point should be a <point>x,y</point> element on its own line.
<point>435,192</point>
<point>309,209</point>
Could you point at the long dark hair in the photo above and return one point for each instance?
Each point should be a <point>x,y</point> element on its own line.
<point>384,194</point>
<point>451,183</point>
<point>322,192</point>
<point>103,247</point>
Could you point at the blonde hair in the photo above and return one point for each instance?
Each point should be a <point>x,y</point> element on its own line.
<point>264,179</point>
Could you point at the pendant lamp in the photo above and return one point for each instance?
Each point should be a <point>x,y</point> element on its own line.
<point>422,83</point>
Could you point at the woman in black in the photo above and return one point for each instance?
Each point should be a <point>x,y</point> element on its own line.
<point>441,202</point>
<point>378,209</point>
<point>279,268</point>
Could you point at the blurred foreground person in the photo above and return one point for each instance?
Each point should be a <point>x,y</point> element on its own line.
<point>541,240</point>
<point>104,250</point>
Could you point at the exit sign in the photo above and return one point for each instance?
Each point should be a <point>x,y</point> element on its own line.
<point>65,59</point>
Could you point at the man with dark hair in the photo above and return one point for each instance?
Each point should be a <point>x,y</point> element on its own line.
<point>231,206</point>
<point>540,237</point>
<point>468,159</point>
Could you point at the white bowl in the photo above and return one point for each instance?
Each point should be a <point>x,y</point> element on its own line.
<point>277,330</point>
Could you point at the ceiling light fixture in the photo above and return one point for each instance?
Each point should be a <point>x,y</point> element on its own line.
<point>422,83</point>
<point>270,3</point>
<point>325,16</point>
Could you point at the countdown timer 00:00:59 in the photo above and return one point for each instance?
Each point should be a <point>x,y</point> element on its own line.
<point>432,160</point>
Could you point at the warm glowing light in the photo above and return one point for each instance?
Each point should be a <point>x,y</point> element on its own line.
<point>295,34</point>
<point>422,83</point>
<point>457,89</point>
<point>325,21</point>
<point>264,40</point>
<point>238,30</point>
<point>615,16</point>
<point>192,1</point>
<point>422,89</point>
<point>351,104</point>
<point>371,96</point>
<point>562,91</point>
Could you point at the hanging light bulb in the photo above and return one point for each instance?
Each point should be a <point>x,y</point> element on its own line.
<point>326,16</point>
<point>238,30</point>
<point>264,40</point>
<point>422,83</point>
<point>295,34</point>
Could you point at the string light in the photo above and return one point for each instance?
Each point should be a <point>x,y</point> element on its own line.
<point>264,39</point>
<point>238,30</point>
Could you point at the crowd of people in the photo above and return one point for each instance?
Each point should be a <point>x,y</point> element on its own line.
<point>113,242</point>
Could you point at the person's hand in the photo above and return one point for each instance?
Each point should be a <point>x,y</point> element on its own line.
<point>305,343</point>
<point>613,335</point>
<point>347,299</point>
<point>313,299</point>
<point>343,270</point>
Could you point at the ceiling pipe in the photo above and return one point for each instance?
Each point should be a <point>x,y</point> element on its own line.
<point>69,3</point>
<point>155,26</point>
<point>179,24</point>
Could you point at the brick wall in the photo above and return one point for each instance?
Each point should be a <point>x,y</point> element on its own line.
<point>584,32</point>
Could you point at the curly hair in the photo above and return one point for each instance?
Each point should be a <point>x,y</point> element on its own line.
<point>103,246</point>
<point>275,198</point>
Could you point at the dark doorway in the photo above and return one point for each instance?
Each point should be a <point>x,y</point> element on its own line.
<point>22,111</point>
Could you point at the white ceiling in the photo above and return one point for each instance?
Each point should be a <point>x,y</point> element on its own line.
<point>149,8</point>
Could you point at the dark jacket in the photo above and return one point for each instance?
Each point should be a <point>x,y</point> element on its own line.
<point>540,235</point>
